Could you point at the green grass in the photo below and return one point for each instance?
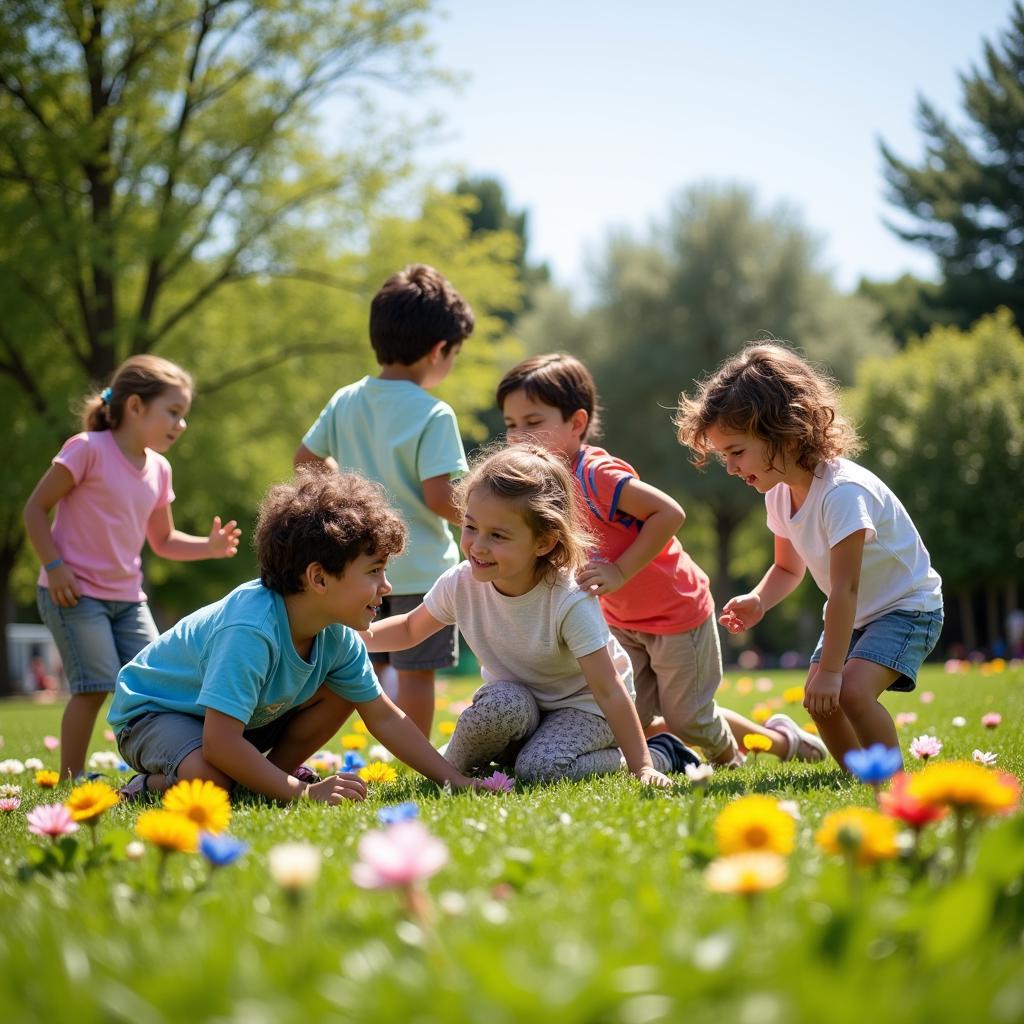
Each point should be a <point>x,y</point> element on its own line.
<point>576,902</point>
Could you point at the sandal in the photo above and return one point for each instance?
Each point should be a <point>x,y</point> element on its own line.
<point>135,788</point>
<point>812,747</point>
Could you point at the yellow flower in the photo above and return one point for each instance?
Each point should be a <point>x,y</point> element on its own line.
<point>872,836</point>
<point>966,787</point>
<point>90,800</point>
<point>756,742</point>
<point>47,779</point>
<point>378,771</point>
<point>202,802</point>
<point>746,872</point>
<point>761,714</point>
<point>352,742</point>
<point>168,830</point>
<point>793,695</point>
<point>754,823</point>
<point>446,728</point>
<point>744,684</point>
<point>810,727</point>
<point>359,726</point>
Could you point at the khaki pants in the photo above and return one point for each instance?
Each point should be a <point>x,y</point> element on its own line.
<point>678,675</point>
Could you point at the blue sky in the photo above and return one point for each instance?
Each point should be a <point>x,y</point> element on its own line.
<point>595,114</point>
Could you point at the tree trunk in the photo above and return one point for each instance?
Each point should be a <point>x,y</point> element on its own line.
<point>994,627</point>
<point>7,685</point>
<point>968,631</point>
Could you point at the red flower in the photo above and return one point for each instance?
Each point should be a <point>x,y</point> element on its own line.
<point>898,803</point>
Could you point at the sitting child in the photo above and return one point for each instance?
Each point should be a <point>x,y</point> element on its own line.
<point>276,666</point>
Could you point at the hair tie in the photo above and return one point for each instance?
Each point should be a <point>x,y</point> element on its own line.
<point>106,395</point>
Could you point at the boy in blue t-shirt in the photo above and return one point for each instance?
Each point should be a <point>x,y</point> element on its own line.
<point>391,430</point>
<point>277,666</point>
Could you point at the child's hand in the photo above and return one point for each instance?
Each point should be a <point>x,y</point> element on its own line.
<point>652,777</point>
<point>336,788</point>
<point>223,540</point>
<point>741,613</point>
<point>821,698</point>
<point>600,577</point>
<point>63,587</point>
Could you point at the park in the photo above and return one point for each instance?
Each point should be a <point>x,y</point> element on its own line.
<point>225,185</point>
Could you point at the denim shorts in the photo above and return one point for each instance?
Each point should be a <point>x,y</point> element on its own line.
<point>95,638</point>
<point>438,651</point>
<point>158,741</point>
<point>900,640</point>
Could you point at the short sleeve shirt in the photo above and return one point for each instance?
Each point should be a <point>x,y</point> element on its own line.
<point>671,593</point>
<point>397,433</point>
<point>237,657</point>
<point>99,526</point>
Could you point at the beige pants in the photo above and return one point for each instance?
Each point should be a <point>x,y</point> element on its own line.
<point>678,675</point>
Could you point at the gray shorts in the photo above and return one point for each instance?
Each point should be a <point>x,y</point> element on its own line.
<point>158,741</point>
<point>438,651</point>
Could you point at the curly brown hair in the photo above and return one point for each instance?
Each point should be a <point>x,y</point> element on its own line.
<point>771,392</point>
<point>326,517</point>
<point>544,492</point>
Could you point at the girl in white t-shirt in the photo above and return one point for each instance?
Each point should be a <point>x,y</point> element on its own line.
<point>111,488</point>
<point>556,701</point>
<point>773,421</point>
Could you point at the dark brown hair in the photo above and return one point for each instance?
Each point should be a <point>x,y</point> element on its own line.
<point>559,380</point>
<point>542,488</point>
<point>326,517</point>
<point>771,392</point>
<point>414,310</point>
<point>145,376</point>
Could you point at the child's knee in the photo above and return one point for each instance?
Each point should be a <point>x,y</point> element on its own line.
<point>538,766</point>
<point>509,707</point>
<point>855,699</point>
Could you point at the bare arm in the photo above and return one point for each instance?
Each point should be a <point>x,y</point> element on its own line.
<point>303,455</point>
<point>437,496</point>
<point>614,700</point>
<point>55,483</point>
<point>661,516</point>
<point>822,694</point>
<point>167,542</point>
<point>398,733</point>
<point>778,582</point>
<point>400,632</point>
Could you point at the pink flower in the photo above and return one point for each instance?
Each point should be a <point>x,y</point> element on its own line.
<point>499,782</point>
<point>109,736</point>
<point>9,803</point>
<point>991,720</point>
<point>905,718</point>
<point>51,742</point>
<point>400,855</point>
<point>927,697</point>
<point>985,757</point>
<point>51,820</point>
<point>926,746</point>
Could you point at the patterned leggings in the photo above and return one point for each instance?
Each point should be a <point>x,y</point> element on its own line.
<point>505,724</point>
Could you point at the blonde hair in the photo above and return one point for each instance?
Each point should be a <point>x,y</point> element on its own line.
<point>771,392</point>
<point>541,486</point>
<point>146,376</point>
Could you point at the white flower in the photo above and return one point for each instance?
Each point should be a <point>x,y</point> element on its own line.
<point>959,721</point>
<point>925,746</point>
<point>33,764</point>
<point>135,850</point>
<point>699,774</point>
<point>9,789</point>
<point>294,865</point>
<point>985,757</point>
<point>379,753</point>
<point>791,807</point>
<point>105,760</point>
<point>12,766</point>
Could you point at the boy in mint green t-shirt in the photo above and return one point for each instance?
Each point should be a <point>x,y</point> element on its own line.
<point>390,429</point>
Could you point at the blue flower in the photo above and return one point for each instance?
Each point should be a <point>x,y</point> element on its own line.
<point>875,764</point>
<point>398,812</point>
<point>352,762</point>
<point>221,850</point>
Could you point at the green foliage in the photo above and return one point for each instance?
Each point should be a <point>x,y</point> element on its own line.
<point>575,902</point>
<point>909,307</point>
<point>944,422</point>
<point>963,199</point>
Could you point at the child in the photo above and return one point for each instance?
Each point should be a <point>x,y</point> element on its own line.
<point>276,665</point>
<point>655,598</point>
<point>111,486</point>
<point>774,422</point>
<point>555,699</point>
<point>390,429</point>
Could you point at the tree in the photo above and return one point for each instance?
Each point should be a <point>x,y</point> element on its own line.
<point>965,200</point>
<point>153,153</point>
<point>909,306</point>
<point>717,273</point>
<point>944,422</point>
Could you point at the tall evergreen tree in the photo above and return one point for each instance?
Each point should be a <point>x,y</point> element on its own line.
<point>966,198</point>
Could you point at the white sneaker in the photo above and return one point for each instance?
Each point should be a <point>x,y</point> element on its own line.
<point>803,745</point>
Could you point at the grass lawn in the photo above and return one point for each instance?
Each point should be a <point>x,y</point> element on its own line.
<point>576,902</point>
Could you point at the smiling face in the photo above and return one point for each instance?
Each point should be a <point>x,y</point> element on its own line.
<point>528,419</point>
<point>158,424</point>
<point>499,544</point>
<point>746,456</point>
<point>353,598</point>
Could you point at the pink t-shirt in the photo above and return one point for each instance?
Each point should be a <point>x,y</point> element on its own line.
<point>100,524</point>
<point>668,595</point>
